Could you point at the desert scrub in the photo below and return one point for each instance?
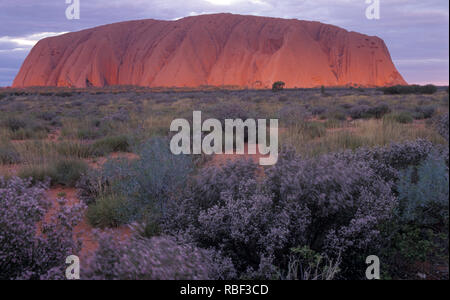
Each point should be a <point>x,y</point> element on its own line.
<point>22,207</point>
<point>409,89</point>
<point>111,144</point>
<point>317,203</point>
<point>401,117</point>
<point>158,258</point>
<point>419,233</point>
<point>147,182</point>
<point>8,154</point>
<point>75,149</point>
<point>423,193</point>
<point>22,128</point>
<point>64,172</point>
<point>441,125</point>
<point>109,211</point>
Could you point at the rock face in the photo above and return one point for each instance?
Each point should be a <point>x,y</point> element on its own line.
<point>215,50</point>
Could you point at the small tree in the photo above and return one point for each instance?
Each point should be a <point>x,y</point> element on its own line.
<point>278,86</point>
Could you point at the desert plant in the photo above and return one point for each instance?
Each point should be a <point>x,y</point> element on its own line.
<point>317,203</point>
<point>111,144</point>
<point>158,258</point>
<point>400,117</point>
<point>425,112</point>
<point>278,86</point>
<point>8,154</point>
<point>441,124</point>
<point>109,211</point>
<point>359,112</point>
<point>409,89</point>
<point>26,253</point>
<point>423,193</point>
<point>147,183</point>
<point>68,172</point>
<point>65,172</point>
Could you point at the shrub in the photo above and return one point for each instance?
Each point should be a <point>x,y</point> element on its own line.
<point>359,112</point>
<point>8,154</point>
<point>332,206</point>
<point>111,144</point>
<point>14,123</point>
<point>278,86</point>
<point>36,173</point>
<point>419,233</point>
<point>147,182</point>
<point>75,149</point>
<point>387,162</point>
<point>441,124</point>
<point>423,193</point>
<point>400,117</point>
<point>292,115</point>
<point>319,110</point>
<point>65,172</point>
<point>109,211</point>
<point>313,129</point>
<point>379,110</point>
<point>158,258</point>
<point>425,112</point>
<point>409,89</point>
<point>24,254</point>
<point>68,172</point>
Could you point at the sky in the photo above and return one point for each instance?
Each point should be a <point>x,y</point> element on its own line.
<point>415,31</point>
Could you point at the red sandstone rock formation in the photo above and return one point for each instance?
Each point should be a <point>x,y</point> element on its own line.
<point>217,50</point>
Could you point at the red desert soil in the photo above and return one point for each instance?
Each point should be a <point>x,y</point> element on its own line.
<point>90,244</point>
<point>210,50</point>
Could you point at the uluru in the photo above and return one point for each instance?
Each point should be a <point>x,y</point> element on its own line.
<point>210,50</point>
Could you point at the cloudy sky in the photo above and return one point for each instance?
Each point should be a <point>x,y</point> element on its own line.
<point>416,31</point>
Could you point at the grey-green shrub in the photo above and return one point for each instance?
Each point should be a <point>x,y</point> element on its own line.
<point>423,192</point>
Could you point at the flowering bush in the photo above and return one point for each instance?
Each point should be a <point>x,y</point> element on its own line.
<point>32,247</point>
<point>330,205</point>
<point>441,124</point>
<point>158,258</point>
<point>390,160</point>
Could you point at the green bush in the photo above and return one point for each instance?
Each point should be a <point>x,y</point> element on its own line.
<point>419,233</point>
<point>278,86</point>
<point>423,193</point>
<point>68,172</point>
<point>62,172</point>
<point>147,183</point>
<point>409,89</point>
<point>108,211</point>
<point>14,123</point>
<point>111,144</point>
<point>314,129</point>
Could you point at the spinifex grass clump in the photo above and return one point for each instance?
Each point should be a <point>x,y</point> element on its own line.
<point>31,247</point>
